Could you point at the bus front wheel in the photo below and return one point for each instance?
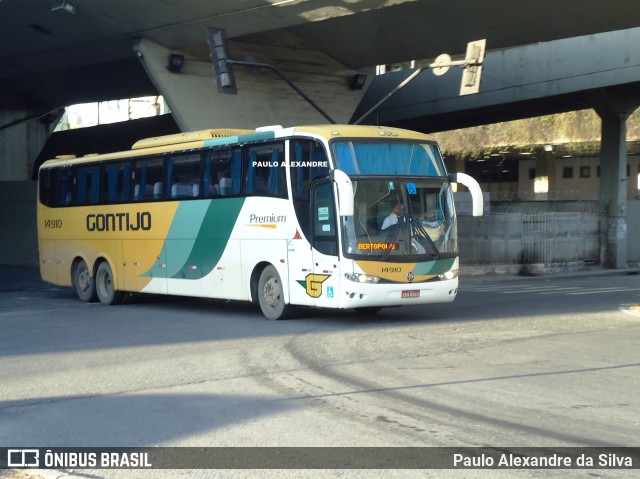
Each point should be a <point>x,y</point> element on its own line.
<point>271,295</point>
<point>83,282</point>
<point>105,288</point>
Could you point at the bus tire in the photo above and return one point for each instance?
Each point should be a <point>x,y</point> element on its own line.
<point>271,295</point>
<point>105,288</point>
<point>83,282</point>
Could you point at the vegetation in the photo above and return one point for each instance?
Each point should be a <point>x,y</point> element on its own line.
<point>572,127</point>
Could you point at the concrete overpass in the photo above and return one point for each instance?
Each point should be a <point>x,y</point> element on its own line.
<point>600,71</point>
<point>53,54</point>
<point>50,57</point>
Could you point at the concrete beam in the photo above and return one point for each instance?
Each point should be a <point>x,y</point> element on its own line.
<point>538,79</point>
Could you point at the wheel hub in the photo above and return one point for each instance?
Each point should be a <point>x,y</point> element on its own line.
<point>271,292</point>
<point>84,280</point>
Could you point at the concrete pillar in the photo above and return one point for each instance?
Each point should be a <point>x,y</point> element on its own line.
<point>614,108</point>
<point>23,132</point>
<point>613,187</point>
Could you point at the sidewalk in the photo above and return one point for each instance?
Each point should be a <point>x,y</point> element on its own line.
<point>546,270</point>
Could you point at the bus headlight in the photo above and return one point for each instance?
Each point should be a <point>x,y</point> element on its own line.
<point>361,278</point>
<point>449,275</point>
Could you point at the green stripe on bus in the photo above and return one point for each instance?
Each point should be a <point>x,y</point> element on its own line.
<point>227,140</point>
<point>197,237</point>
<point>212,239</point>
<point>433,267</point>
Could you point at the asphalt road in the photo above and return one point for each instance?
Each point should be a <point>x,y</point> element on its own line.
<point>541,361</point>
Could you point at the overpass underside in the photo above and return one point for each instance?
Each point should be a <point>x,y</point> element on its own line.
<point>599,71</point>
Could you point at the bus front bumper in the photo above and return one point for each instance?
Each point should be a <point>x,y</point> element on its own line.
<point>355,295</point>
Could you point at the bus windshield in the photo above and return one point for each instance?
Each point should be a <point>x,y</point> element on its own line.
<point>408,215</point>
<point>388,158</point>
<point>406,219</point>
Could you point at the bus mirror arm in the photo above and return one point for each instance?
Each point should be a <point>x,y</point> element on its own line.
<point>345,192</point>
<point>474,188</point>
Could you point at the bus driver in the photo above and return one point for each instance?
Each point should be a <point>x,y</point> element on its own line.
<point>392,218</point>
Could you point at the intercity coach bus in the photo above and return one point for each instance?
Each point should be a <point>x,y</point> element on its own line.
<point>335,216</point>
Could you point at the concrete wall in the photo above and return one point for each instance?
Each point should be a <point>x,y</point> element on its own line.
<point>542,232</point>
<point>263,98</point>
<point>20,142</point>
<point>18,242</point>
<point>527,238</point>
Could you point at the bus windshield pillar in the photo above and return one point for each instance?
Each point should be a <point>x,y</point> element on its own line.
<point>345,192</point>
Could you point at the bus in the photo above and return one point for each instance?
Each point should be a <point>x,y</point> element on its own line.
<point>333,216</point>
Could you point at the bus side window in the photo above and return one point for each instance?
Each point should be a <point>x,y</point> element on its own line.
<point>88,185</point>
<point>45,186</point>
<point>209,186</point>
<point>325,235</point>
<point>231,175</point>
<point>183,176</point>
<point>116,182</point>
<point>264,173</point>
<point>64,186</point>
<point>148,180</point>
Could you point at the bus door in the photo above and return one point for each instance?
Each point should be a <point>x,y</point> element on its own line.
<point>324,283</point>
<point>300,262</point>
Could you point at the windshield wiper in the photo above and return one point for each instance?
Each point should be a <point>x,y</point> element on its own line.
<point>391,239</point>
<point>416,223</point>
<point>410,222</point>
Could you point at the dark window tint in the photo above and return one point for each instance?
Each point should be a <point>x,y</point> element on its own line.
<point>183,176</point>
<point>116,182</point>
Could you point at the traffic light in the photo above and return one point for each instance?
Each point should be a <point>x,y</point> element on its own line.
<point>473,67</point>
<point>222,64</point>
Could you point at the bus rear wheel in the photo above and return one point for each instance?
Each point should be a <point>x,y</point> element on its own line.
<point>83,283</point>
<point>104,286</point>
<point>271,295</point>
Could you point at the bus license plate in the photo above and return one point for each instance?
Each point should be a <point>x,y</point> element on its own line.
<point>410,293</point>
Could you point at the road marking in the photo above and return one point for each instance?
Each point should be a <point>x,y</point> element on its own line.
<point>541,290</point>
<point>567,290</point>
<point>563,290</point>
<point>604,290</point>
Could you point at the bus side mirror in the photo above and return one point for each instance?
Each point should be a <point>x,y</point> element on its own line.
<point>474,188</point>
<point>345,192</point>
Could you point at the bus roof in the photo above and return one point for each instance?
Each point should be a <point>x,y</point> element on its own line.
<point>226,136</point>
<point>359,131</point>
